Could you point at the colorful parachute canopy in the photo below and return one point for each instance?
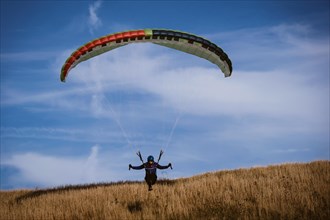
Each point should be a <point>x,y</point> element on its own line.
<point>178,40</point>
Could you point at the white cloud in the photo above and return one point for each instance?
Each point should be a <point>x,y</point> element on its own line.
<point>279,90</point>
<point>92,165</point>
<point>45,170</point>
<point>101,165</point>
<point>76,134</point>
<point>94,21</point>
<point>290,47</point>
<point>28,56</point>
<point>276,94</point>
<point>291,150</point>
<point>282,91</point>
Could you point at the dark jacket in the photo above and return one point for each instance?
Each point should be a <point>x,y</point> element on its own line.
<point>150,168</point>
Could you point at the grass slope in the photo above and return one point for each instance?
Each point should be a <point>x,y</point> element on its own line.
<point>288,191</point>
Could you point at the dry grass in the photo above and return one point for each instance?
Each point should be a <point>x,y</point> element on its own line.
<point>289,191</point>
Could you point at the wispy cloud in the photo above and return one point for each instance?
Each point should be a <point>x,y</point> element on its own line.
<point>94,21</point>
<point>284,46</point>
<point>98,135</point>
<point>100,165</point>
<point>28,56</point>
<point>279,90</point>
<point>60,170</point>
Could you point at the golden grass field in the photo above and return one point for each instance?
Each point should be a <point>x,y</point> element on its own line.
<point>288,191</point>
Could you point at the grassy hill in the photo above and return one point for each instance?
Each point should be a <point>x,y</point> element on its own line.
<point>288,191</point>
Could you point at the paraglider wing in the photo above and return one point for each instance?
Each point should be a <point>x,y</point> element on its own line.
<point>178,40</point>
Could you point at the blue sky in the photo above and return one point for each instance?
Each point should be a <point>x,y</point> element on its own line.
<point>273,109</point>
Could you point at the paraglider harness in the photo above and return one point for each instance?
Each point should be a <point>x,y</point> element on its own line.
<point>150,169</point>
<point>159,157</point>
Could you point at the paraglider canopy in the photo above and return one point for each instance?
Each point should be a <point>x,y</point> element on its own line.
<point>177,40</point>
